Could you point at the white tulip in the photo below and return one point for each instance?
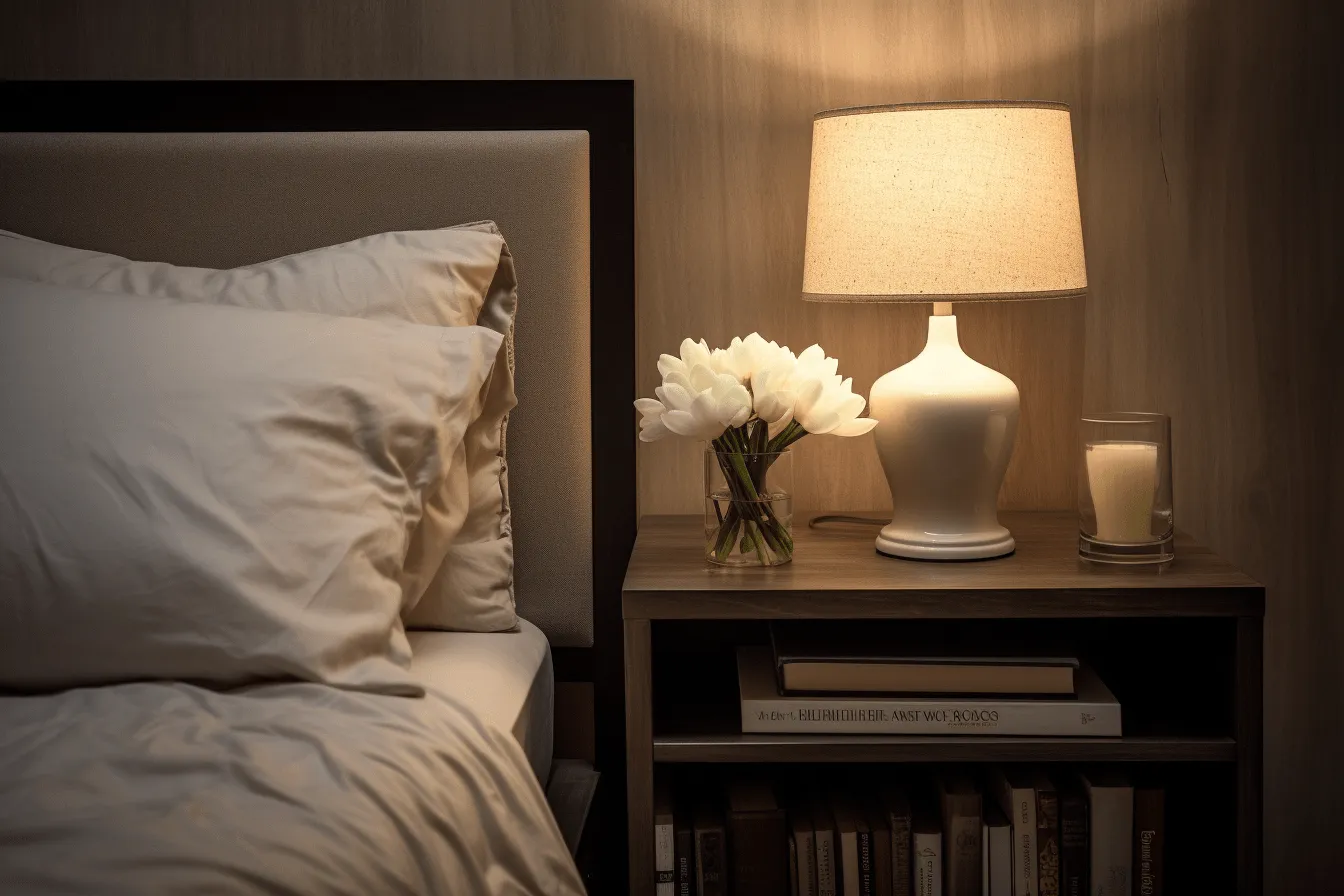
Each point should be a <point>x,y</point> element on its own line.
<point>827,404</point>
<point>705,392</point>
<point>772,395</point>
<point>713,403</point>
<point>744,358</point>
<point>651,427</point>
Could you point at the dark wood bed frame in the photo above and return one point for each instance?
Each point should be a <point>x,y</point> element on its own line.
<point>605,109</point>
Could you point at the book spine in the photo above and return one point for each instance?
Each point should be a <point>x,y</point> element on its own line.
<point>865,863</point>
<point>793,865</point>
<point>1073,846</point>
<point>962,876</point>
<point>984,859</point>
<point>928,862</point>
<point>849,862</point>
<point>1112,831</point>
<point>711,876</point>
<point>826,876</point>
<point>1149,837</point>
<point>1001,861</point>
<point>902,881</point>
<point>685,854</point>
<point>1047,842</point>
<point>807,863</point>
<point>865,716</point>
<point>664,858</point>
<point>1022,816</point>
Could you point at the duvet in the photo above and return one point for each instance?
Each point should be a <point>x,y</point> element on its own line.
<point>289,788</point>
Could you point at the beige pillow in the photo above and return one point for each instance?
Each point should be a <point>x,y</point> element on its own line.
<point>209,493</point>
<point>458,572</point>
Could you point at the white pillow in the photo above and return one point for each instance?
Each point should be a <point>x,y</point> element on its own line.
<point>209,493</point>
<point>458,572</point>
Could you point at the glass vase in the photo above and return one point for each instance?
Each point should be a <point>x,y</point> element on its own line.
<point>1124,489</point>
<point>748,507</point>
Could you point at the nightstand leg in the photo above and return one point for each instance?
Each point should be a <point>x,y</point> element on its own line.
<point>1250,734</point>
<point>639,754</point>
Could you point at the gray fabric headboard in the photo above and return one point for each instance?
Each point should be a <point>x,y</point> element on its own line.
<point>223,199</point>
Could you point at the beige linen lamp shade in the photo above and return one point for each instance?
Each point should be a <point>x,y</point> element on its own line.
<point>925,202</point>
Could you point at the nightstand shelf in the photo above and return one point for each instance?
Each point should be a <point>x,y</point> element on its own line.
<point>862,748</point>
<point>1180,647</point>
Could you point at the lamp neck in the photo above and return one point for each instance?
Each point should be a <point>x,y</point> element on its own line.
<point>942,333</point>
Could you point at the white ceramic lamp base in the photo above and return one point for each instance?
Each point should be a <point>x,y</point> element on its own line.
<point>945,438</point>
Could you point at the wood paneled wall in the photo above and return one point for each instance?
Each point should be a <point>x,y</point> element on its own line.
<point>1203,131</point>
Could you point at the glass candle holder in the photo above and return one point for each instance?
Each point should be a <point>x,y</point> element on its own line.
<point>1124,489</point>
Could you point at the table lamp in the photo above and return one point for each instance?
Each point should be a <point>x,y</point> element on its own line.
<point>942,203</point>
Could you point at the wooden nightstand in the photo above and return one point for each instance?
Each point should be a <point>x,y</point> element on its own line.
<point>1180,648</point>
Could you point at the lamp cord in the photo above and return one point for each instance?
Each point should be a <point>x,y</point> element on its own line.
<point>842,518</point>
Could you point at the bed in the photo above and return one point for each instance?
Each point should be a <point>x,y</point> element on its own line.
<point>283,785</point>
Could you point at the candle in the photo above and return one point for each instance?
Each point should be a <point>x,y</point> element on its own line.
<point>1122,477</point>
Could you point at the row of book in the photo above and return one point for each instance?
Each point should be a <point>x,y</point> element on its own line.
<point>1008,831</point>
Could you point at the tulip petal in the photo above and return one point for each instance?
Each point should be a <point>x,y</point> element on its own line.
<point>680,422</point>
<point>669,364</point>
<point>652,431</point>
<point>818,424</point>
<point>851,406</point>
<point>649,407</point>
<point>702,378</point>
<point>855,427</point>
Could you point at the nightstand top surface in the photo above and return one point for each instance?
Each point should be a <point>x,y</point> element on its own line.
<point>837,573</point>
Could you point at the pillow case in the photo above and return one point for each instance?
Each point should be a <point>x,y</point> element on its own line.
<point>458,572</point>
<point>218,494</point>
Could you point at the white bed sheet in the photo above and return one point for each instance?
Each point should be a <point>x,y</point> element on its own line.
<point>505,677</point>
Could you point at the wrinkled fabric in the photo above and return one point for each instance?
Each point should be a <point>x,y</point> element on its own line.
<point>290,789</point>
<point>458,571</point>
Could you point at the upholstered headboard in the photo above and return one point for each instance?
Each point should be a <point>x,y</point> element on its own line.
<point>218,174</point>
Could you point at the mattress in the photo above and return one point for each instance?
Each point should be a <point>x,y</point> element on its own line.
<point>504,677</point>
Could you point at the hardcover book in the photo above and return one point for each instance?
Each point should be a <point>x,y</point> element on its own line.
<point>1094,712</point>
<point>1016,796</point>
<point>880,828</point>
<point>664,842</point>
<point>896,803</point>
<point>1149,834</point>
<point>999,834</point>
<point>805,839</point>
<point>847,837</point>
<point>962,815</point>
<point>1074,854</point>
<point>684,849</point>
<point>1111,829</point>
<point>710,848</point>
<point>1047,836</point>
<point>927,853</point>
<point>758,860</point>
<point>828,875</point>
<point>793,865</point>
<point>864,661</point>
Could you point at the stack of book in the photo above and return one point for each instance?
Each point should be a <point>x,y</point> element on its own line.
<point>960,832</point>
<point>801,685</point>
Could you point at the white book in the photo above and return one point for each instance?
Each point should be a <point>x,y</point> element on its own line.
<point>1094,712</point>
<point>825,852</point>
<point>664,860</point>
<point>1111,820</point>
<point>926,855</point>
<point>999,844</point>
<point>1017,798</point>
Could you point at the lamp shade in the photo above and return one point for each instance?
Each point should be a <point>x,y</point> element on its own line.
<point>966,201</point>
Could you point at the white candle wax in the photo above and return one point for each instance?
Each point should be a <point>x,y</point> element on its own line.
<point>1123,479</point>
